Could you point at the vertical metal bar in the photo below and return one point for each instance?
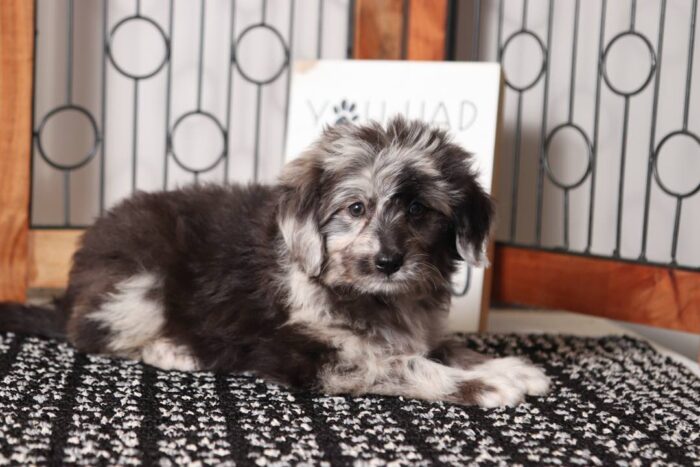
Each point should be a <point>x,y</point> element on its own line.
<point>66,197</point>
<point>258,112</point>
<point>229,88</point>
<point>35,48</point>
<point>350,47</point>
<point>476,28</point>
<point>515,182</point>
<point>319,29</point>
<point>516,168</point>
<point>69,65</point>
<point>289,77</point>
<point>572,102</point>
<point>652,136</point>
<point>256,150</point>
<point>135,136</point>
<point>499,43</point>
<point>689,72</point>
<point>574,49</point>
<point>404,28</point>
<point>543,130</point>
<point>566,218</point>
<point>596,121</point>
<point>621,186</point>
<point>676,228</point>
<point>633,14</point>
<point>103,154</point>
<point>200,68</point>
<point>138,7</point>
<point>451,17</point>
<point>168,94</point>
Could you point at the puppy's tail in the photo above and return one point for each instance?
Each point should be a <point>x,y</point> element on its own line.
<point>46,321</point>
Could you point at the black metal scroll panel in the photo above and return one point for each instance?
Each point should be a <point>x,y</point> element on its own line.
<point>686,195</point>
<point>58,163</point>
<point>198,93</point>
<point>554,126</point>
<point>510,31</point>
<point>226,97</point>
<point>266,42</point>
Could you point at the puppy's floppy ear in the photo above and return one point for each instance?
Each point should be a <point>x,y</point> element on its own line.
<point>473,219</point>
<point>473,210</point>
<point>297,215</point>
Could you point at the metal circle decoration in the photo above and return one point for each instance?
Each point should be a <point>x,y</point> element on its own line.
<point>589,150</point>
<point>236,54</point>
<point>524,34</point>
<point>652,63</point>
<point>56,113</point>
<point>219,127</point>
<point>154,69</point>
<point>657,155</point>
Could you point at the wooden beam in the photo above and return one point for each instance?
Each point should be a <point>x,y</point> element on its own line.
<point>50,257</point>
<point>378,29</point>
<point>427,32</point>
<point>16,62</point>
<point>388,29</point>
<point>644,294</point>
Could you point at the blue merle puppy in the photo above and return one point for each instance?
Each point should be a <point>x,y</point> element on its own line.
<point>336,279</point>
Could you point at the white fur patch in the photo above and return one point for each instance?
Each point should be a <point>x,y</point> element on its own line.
<point>509,380</point>
<point>163,353</point>
<point>132,318</point>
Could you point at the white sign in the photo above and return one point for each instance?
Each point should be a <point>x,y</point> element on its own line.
<point>460,97</point>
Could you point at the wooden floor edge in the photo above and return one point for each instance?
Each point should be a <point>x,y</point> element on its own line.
<point>50,255</point>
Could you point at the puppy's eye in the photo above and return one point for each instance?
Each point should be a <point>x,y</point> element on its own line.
<point>356,209</point>
<point>415,209</point>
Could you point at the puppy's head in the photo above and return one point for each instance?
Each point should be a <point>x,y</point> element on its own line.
<point>383,210</point>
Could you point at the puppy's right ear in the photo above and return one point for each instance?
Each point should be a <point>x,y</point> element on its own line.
<point>297,215</point>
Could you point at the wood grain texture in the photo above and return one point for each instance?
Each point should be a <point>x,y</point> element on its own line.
<point>50,257</point>
<point>651,295</point>
<point>16,60</point>
<point>427,30</point>
<point>378,29</point>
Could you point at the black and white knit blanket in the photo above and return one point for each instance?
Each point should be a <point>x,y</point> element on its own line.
<point>614,400</point>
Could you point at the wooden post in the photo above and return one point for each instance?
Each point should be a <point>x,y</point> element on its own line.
<point>16,63</point>
<point>427,30</point>
<point>390,29</point>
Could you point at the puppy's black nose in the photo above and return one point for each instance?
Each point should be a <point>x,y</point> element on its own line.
<point>388,263</point>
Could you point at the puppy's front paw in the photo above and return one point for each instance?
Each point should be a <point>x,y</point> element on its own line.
<point>503,381</point>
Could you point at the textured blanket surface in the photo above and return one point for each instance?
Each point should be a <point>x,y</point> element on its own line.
<point>614,400</point>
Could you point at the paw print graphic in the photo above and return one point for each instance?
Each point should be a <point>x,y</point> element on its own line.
<point>345,112</point>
